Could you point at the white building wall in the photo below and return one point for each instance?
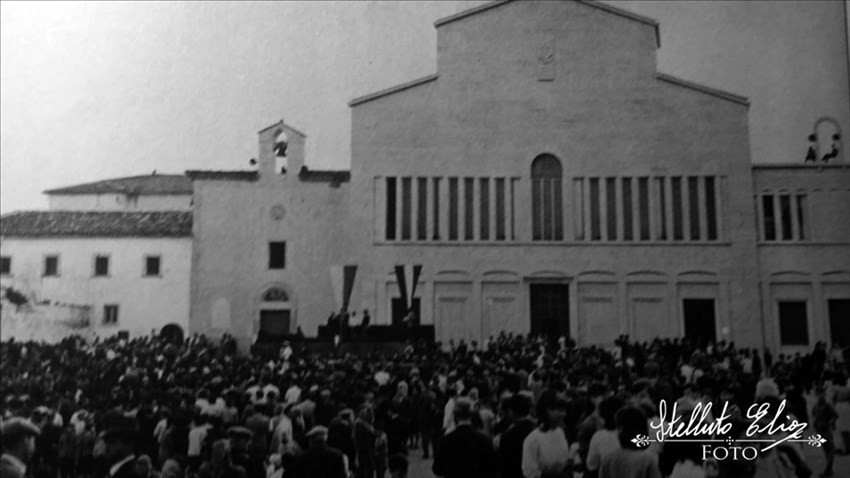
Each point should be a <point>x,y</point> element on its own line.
<point>119,202</point>
<point>145,303</point>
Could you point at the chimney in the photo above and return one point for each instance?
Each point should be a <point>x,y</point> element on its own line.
<point>269,162</point>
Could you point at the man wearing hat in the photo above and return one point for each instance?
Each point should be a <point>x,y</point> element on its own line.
<point>240,443</point>
<point>18,436</point>
<point>120,439</point>
<point>465,452</point>
<point>320,461</point>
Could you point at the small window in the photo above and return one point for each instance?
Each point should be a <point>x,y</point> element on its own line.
<point>51,266</point>
<point>152,264</point>
<point>101,266</point>
<point>110,314</point>
<point>793,323</point>
<point>5,265</point>
<point>277,255</point>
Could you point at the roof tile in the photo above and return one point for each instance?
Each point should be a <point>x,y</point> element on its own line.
<point>96,224</point>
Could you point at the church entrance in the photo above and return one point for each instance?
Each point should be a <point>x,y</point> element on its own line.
<point>550,309</point>
<point>700,325</point>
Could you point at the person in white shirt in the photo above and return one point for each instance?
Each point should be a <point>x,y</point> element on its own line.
<point>604,441</point>
<point>545,451</point>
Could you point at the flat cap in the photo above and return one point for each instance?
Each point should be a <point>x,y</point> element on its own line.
<point>318,431</point>
<point>16,428</point>
<point>240,432</point>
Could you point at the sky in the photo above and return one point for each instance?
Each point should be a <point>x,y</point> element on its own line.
<point>90,91</point>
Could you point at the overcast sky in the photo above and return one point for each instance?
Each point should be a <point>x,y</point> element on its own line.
<point>90,91</point>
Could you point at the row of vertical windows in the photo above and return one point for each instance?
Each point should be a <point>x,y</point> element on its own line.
<point>468,208</point>
<point>783,217</point>
<point>646,208</point>
<point>50,268</point>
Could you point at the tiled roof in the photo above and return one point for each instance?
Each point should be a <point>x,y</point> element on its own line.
<point>96,224</point>
<point>305,175</point>
<point>324,176</point>
<point>150,184</point>
<point>222,175</point>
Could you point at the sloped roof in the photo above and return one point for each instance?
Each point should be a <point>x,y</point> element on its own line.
<point>96,224</point>
<point>147,185</point>
<point>591,3</point>
<point>210,175</point>
<point>306,175</point>
<point>319,176</point>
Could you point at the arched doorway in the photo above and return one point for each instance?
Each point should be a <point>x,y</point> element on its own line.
<point>275,319</point>
<point>173,333</point>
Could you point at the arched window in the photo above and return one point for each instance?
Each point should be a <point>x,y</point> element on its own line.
<point>546,198</point>
<point>275,294</point>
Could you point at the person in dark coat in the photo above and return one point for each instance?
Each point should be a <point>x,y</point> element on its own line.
<point>320,461</point>
<point>510,445</point>
<point>120,441</point>
<point>240,442</point>
<point>18,435</point>
<point>465,452</point>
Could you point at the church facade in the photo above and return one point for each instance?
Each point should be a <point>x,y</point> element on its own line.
<point>548,180</point>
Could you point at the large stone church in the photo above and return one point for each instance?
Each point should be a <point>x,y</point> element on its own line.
<point>548,179</point>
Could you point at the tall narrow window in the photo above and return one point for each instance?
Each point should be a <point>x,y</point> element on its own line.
<point>628,228</point>
<point>693,206</point>
<point>277,255</point>
<point>101,266</point>
<point>676,201</point>
<point>643,205</point>
<point>611,209</point>
<point>546,203</point>
<point>51,266</point>
<point>785,208</point>
<point>578,212</point>
<point>5,265</point>
<point>436,209</point>
<point>711,208</point>
<point>453,209</point>
<point>595,230</point>
<point>484,233</point>
<point>391,213</point>
<point>422,208</point>
<point>769,217</point>
<point>500,209</point>
<point>468,208</point>
<point>662,206</point>
<point>801,215</point>
<point>406,208</point>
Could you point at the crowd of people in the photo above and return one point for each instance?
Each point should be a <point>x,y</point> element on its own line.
<point>512,407</point>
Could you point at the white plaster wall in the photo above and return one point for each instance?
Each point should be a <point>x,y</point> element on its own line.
<point>145,303</point>
<point>119,202</point>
